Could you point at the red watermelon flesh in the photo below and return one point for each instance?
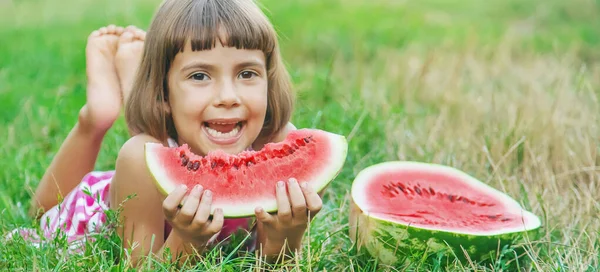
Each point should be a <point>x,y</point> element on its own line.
<point>242,182</point>
<point>437,197</point>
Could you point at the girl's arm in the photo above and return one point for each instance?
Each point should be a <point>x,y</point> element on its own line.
<point>142,219</point>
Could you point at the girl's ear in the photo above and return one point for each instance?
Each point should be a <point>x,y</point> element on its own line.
<point>165,103</point>
<point>166,106</point>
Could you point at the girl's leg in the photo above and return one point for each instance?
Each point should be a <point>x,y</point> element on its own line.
<point>128,58</point>
<point>77,154</point>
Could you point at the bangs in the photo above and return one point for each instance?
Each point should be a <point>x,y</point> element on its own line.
<point>233,23</point>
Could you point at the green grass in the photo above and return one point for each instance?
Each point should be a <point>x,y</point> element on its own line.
<point>505,90</point>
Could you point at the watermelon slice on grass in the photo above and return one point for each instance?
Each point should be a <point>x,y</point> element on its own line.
<point>402,210</point>
<point>244,181</point>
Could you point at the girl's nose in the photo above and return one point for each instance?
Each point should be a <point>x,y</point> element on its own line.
<point>227,96</point>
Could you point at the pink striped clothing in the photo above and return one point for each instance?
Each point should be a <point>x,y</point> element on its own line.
<point>81,215</point>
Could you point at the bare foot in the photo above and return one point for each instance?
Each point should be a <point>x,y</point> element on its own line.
<point>103,90</point>
<point>128,58</point>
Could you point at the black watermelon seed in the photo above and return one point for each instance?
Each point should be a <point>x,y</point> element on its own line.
<point>418,190</point>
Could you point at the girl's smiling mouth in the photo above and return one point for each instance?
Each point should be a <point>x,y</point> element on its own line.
<point>224,131</point>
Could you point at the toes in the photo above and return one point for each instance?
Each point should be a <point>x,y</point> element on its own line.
<point>95,33</point>
<point>111,29</point>
<point>126,37</point>
<point>130,28</point>
<point>137,33</point>
<point>119,30</point>
<point>140,35</point>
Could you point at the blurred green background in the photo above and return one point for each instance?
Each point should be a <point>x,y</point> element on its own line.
<point>465,83</point>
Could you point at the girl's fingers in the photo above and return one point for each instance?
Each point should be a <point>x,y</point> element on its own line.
<point>172,201</point>
<point>264,217</point>
<point>284,212</point>
<point>187,212</point>
<point>314,203</point>
<point>217,223</point>
<point>203,211</point>
<point>297,199</point>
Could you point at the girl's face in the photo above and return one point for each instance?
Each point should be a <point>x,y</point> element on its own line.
<point>218,98</point>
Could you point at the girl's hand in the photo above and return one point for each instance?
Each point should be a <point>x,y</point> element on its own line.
<point>292,216</point>
<point>191,223</point>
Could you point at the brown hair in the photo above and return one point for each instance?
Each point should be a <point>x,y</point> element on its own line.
<point>200,22</point>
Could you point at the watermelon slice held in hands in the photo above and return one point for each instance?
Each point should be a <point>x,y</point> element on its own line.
<point>404,210</point>
<point>242,182</point>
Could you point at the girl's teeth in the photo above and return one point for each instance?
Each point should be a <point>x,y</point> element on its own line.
<point>218,134</point>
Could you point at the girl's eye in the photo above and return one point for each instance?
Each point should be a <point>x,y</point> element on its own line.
<point>247,74</point>
<point>199,76</point>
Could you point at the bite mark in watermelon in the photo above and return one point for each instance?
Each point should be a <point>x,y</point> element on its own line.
<point>242,182</point>
<point>403,208</point>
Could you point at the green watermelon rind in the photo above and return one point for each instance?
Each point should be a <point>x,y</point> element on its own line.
<point>395,244</point>
<point>339,148</point>
<point>153,165</point>
<point>391,240</point>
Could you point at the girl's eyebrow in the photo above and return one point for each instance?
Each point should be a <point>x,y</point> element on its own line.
<point>251,63</point>
<point>209,67</point>
<point>197,65</point>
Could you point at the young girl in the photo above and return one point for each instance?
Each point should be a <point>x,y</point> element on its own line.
<point>210,75</point>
